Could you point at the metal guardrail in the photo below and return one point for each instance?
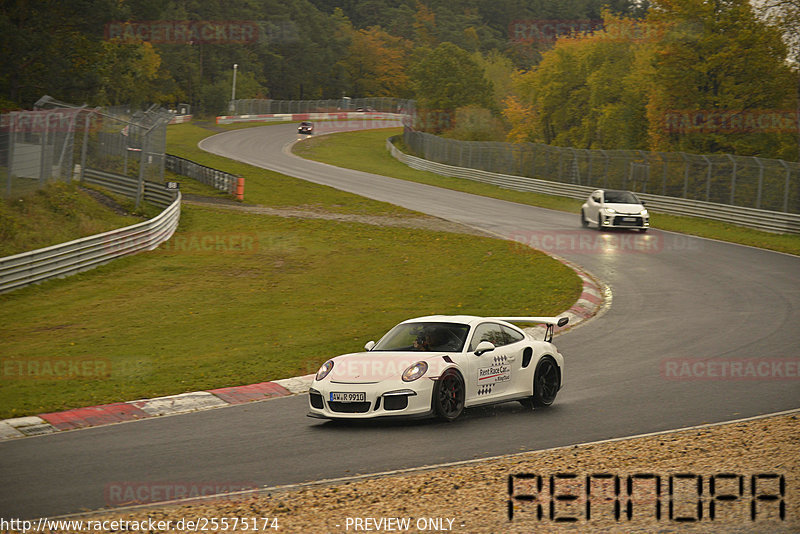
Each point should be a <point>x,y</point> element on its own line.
<point>88,252</point>
<point>154,193</point>
<point>746,181</point>
<point>217,179</point>
<point>772,221</point>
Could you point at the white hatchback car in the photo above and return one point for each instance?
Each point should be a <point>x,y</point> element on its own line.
<point>607,208</point>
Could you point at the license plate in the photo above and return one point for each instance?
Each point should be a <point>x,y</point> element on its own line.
<point>348,397</point>
<point>629,219</point>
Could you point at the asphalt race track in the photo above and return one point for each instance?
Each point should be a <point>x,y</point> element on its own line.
<point>676,299</point>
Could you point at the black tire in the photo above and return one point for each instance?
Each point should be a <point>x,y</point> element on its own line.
<point>546,381</point>
<point>448,396</point>
<point>584,222</point>
<point>643,230</point>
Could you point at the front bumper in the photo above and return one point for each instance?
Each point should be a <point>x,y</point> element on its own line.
<point>383,399</point>
<point>624,221</point>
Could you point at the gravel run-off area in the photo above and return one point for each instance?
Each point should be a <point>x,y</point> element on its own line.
<point>490,496</point>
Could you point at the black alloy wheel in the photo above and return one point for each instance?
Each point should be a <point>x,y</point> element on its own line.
<point>449,395</point>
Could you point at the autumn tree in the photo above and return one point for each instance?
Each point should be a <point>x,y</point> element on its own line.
<point>376,64</point>
<point>498,69</point>
<point>719,59</point>
<point>619,87</point>
<point>447,78</point>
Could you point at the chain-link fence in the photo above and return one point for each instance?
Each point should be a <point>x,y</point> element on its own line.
<point>753,182</point>
<point>266,107</point>
<point>37,147</point>
<point>58,141</point>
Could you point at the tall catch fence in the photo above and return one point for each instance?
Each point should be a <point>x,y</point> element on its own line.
<point>751,182</point>
<point>265,107</point>
<point>58,142</point>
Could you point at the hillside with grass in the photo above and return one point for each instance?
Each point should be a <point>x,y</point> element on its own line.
<point>59,213</point>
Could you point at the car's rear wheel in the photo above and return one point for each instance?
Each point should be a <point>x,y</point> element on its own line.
<point>546,381</point>
<point>448,396</point>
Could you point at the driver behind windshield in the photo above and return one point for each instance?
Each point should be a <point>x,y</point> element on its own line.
<point>431,339</point>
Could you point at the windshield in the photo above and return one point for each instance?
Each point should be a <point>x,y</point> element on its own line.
<point>443,337</point>
<point>620,197</point>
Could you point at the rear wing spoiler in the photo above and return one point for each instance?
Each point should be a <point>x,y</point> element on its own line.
<point>551,323</point>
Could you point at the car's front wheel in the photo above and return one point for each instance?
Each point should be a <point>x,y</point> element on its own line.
<point>584,221</point>
<point>546,381</point>
<point>448,396</point>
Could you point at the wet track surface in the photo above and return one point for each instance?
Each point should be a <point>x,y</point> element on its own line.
<point>676,300</point>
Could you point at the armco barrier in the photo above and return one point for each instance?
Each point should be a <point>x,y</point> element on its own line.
<point>86,253</point>
<point>771,221</point>
<point>313,116</point>
<point>217,179</point>
<point>126,186</point>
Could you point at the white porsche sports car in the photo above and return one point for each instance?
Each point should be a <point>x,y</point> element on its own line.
<point>608,208</point>
<point>439,365</point>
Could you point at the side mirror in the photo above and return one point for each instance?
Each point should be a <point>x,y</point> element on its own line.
<point>643,202</point>
<point>369,345</point>
<point>483,347</point>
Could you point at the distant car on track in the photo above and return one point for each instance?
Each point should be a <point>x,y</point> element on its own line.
<point>306,128</point>
<point>608,208</point>
<point>439,365</point>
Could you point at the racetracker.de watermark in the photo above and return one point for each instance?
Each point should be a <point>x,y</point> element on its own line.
<point>124,493</point>
<point>583,242</point>
<point>731,121</point>
<point>378,369</point>
<point>213,242</point>
<point>549,30</point>
<point>349,123</point>
<point>56,368</point>
<point>47,121</point>
<point>733,369</point>
<point>189,243</point>
<point>185,31</point>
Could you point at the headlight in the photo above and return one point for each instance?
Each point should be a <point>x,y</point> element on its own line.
<point>415,371</point>
<point>610,210</point>
<point>324,370</point>
<point>643,212</point>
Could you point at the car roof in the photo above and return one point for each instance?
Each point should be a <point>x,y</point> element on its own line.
<point>616,191</point>
<point>460,319</point>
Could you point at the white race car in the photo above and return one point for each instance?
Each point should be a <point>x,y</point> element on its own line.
<point>607,208</point>
<point>439,365</point>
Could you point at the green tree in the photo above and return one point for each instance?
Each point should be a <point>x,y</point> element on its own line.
<point>126,73</point>
<point>51,47</point>
<point>447,78</point>
<point>555,96</point>
<point>377,63</point>
<point>473,123</point>
<point>499,70</point>
<point>718,58</point>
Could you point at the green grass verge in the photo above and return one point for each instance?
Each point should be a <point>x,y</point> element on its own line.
<point>365,151</point>
<point>55,214</point>
<point>237,298</point>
